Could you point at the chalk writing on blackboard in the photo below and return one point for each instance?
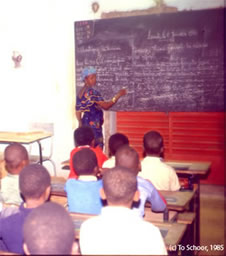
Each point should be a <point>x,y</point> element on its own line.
<point>167,62</point>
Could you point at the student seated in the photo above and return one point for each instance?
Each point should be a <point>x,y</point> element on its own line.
<point>153,168</point>
<point>49,230</point>
<point>114,143</point>
<point>84,138</point>
<point>83,192</point>
<point>16,158</point>
<point>34,184</point>
<point>127,157</point>
<point>117,230</point>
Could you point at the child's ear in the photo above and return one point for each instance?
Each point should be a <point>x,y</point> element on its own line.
<point>24,163</point>
<point>102,194</point>
<point>96,170</point>
<point>47,192</point>
<point>136,196</point>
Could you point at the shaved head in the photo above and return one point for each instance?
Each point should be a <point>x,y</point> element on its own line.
<point>49,230</point>
<point>14,155</point>
<point>127,157</point>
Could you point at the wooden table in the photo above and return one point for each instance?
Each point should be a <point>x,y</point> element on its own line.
<point>190,167</point>
<point>178,200</point>
<point>172,233</point>
<point>25,138</point>
<point>193,171</point>
<point>57,193</point>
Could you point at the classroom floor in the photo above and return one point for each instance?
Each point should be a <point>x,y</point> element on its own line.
<point>212,226</point>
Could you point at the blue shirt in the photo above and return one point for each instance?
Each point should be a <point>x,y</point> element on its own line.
<point>11,230</point>
<point>84,196</point>
<point>149,193</point>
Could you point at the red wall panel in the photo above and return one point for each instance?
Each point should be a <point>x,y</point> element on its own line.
<point>194,136</point>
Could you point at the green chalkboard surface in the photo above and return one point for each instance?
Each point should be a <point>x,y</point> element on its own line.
<point>167,62</point>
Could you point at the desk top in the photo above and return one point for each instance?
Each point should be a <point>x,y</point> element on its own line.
<point>173,232</point>
<point>23,137</point>
<point>190,167</point>
<point>57,186</point>
<point>178,200</point>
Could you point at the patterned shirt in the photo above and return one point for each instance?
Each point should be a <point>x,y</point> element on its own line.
<point>93,114</point>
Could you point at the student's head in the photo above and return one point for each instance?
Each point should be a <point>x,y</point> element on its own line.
<point>128,157</point>
<point>16,157</point>
<point>116,141</point>
<point>153,143</point>
<point>89,76</point>
<point>49,229</point>
<point>84,135</point>
<point>34,182</point>
<point>120,187</point>
<point>85,162</point>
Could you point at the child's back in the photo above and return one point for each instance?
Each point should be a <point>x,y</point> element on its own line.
<point>153,168</point>
<point>127,157</point>
<point>16,157</point>
<point>84,138</point>
<point>83,193</point>
<point>118,230</point>
<point>116,141</point>
<point>34,183</point>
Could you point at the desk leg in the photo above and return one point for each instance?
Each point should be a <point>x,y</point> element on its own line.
<point>40,152</point>
<point>195,207</point>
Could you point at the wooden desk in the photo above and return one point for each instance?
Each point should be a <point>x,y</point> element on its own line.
<point>178,200</point>
<point>57,193</point>
<point>193,171</point>
<point>172,233</point>
<point>190,167</point>
<point>25,138</point>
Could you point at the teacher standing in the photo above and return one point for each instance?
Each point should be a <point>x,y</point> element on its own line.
<point>90,105</point>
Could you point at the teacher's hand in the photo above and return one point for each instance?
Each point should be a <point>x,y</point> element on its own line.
<point>122,92</point>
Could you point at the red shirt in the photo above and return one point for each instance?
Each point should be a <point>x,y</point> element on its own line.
<point>101,158</point>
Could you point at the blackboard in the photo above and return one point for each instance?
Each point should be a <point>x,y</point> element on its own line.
<point>167,62</point>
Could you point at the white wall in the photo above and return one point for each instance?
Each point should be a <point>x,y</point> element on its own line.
<point>43,88</point>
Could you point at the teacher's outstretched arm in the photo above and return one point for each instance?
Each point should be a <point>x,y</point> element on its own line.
<point>108,104</point>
